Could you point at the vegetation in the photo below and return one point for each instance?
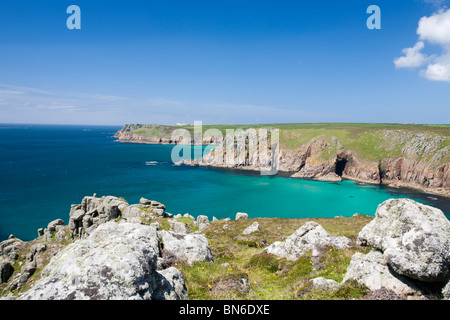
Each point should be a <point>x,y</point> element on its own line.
<point>368,140</point>
<point>241,270</point>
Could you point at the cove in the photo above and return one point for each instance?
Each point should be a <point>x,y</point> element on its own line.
<point>46,168</point>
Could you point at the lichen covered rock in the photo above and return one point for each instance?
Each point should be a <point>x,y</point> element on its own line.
<point>308,237</point>
<point>117,261</point>
<point>414,239</point>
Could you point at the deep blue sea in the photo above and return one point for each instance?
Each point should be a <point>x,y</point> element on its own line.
<point>46,168</point>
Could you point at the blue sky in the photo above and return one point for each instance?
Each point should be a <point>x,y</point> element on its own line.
<point>223,62</point>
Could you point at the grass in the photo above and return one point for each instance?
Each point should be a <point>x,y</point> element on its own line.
<point>241,270</point>
<point>367,140</point>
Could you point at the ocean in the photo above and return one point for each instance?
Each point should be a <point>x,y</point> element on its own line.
<point>46,168</point>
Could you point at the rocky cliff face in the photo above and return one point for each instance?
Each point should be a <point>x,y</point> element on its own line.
<point>397,157</point>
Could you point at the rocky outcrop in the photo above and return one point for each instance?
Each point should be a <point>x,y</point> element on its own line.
<point>179,227</point>
<point>117,261</point>
<point>116,253</point>
<point>414,239</point>
<point>189,248</point>
<point>310,236</point>
<point>129,256</point>
<point>202,222</point>
<point>93,211</point>
<point>410,250</point>
<point>9,248</point>
<point>372,271</point>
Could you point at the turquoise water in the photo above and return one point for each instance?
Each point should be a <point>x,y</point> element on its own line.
<point>44,169</point>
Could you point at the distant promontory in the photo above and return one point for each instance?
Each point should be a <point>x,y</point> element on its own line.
<point>401,155</point>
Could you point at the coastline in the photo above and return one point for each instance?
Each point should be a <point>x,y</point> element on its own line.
<point>443,192</point>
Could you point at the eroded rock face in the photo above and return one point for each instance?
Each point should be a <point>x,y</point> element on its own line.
<point>414,239</point>
<point>117,261</point>
<point>308,237</point>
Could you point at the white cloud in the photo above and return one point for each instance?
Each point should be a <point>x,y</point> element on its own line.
<point>437,72</point>
<point>412,58</point>
<point>434,29</point>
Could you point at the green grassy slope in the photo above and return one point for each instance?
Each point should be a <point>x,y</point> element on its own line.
<point>369,141</point>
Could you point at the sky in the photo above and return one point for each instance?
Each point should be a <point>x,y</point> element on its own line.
<point>224,62</point>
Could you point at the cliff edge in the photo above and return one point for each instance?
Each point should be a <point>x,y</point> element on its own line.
<point>416,156</point>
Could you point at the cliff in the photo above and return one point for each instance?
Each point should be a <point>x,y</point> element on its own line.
<point>416,156</point>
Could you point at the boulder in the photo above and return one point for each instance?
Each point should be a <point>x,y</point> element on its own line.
<point>145,202</point>
<point>22,277</point>
<point>52,225</point>
<point>202,219</point>
<point>185,247</point>
<point>179,227</point>
<point>170,285</point>
<point>202,222</point>
<point>241,216</point>
<point>116,262</point>
<point>253,228</point>
<point>9,248</point>
<point>321,283</point>
<point>371,270</point>
<point>132,211</point>
<point>414,239</point>
<point>308,237</point>
<point>331,176</point>
<point>77,215</point>
<point>109,208</point>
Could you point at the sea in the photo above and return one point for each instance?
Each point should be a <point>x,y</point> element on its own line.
<point>46,168</point>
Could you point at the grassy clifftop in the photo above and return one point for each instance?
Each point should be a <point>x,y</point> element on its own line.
<point>408,155</point>
<point>373,142</point>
